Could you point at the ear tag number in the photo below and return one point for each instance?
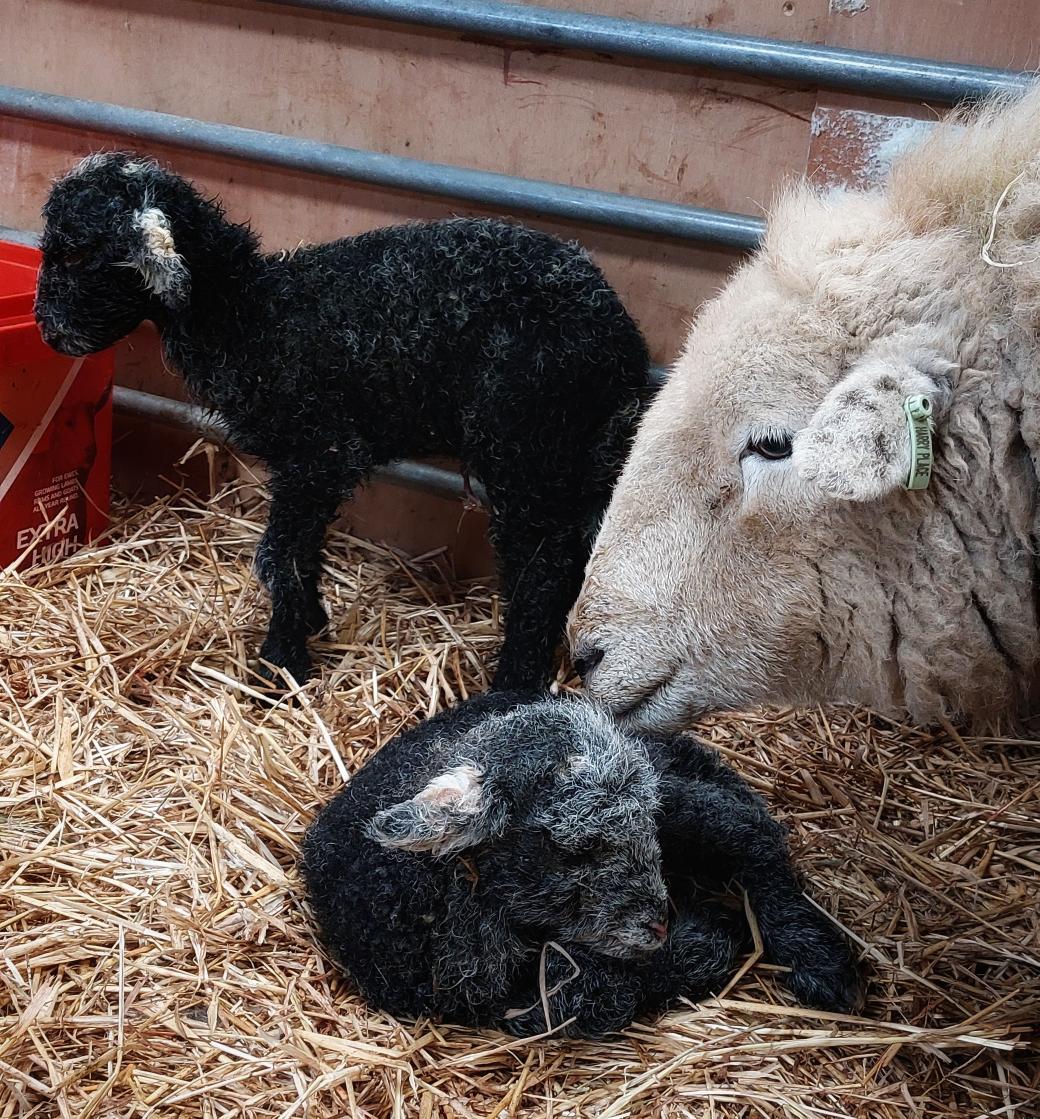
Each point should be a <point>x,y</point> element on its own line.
<point>918,411</point>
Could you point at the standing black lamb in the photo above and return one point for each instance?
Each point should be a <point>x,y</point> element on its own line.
<point>487,341</point>
<point>502,833</point>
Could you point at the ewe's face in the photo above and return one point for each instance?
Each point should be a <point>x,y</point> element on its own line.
<point>757,485</point>
<point>91,290</point>
<point>701,590</point>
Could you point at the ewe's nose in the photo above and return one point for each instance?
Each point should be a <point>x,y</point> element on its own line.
<point>586,657</point>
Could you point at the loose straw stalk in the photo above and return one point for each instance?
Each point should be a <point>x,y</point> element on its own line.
<point>156,959</point>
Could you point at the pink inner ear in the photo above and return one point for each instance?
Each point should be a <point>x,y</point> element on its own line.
<point>459,787</point>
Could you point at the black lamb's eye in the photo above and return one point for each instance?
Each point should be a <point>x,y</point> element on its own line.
<point>78,253</point>
<point>772,445</point>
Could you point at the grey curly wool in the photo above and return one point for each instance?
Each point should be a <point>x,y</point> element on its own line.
<point>504,834</point>
<point>487,341</point>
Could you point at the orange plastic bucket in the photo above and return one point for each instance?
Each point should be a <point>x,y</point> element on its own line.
<point>18,267</point>
<point>55,430</point>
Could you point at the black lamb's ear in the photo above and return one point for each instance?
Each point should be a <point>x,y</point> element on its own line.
<point>162,268</point>
<point>454,811</point>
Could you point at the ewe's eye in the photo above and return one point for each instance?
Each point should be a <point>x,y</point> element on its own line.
<point>770,444</point>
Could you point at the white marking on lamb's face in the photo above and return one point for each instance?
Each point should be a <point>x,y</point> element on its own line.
<point>161,266</point>
<point>97,160</point>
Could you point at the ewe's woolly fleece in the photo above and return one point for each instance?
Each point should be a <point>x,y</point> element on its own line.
<point>721,580</point>
<point>572,824</point>
<point>487,341</point>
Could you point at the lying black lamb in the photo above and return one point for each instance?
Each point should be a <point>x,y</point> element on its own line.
<point>487,341</point>
<point>505,834</point>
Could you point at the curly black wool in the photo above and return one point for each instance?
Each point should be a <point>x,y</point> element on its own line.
<point>479,339</point>
<point>503,829</point>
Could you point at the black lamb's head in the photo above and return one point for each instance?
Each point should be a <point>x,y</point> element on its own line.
<point>109,257</point>
<point>558,809</point>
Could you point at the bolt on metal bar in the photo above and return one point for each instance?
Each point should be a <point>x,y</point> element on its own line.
<point>505,193</point>
<point>810,64</point>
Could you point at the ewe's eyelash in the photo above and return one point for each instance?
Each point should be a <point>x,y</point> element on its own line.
<point>757,434</point>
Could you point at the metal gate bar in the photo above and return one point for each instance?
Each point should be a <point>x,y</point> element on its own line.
<point>865,72</point>
<point>422,476</point>
<point>505,193</point>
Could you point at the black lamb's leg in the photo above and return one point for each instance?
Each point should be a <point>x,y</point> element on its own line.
<point>721,826</point>
<point>601,995</point>
<point>541,563</point>
<point>588,995</point>
<point>288,562</point>
<point>698,958</point>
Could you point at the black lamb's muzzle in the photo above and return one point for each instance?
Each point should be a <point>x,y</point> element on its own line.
<point>635,943</point>
<point>67,344</point>
<point>78,316</point>
<point>642,931</point>
<point>55,330</point>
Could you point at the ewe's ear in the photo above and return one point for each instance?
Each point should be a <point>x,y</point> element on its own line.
<point>857,446</point>
<point>453,812</point>
<point>156,258</point>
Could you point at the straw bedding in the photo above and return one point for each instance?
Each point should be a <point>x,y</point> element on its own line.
<point>155,959</point>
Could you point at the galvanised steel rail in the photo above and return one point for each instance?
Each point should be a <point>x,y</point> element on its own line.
<point>916,79</point>
<point>421,476</point>
<point>504,193</point>
<point>193,418</point>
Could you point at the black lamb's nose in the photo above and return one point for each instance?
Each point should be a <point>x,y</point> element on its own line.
<point>586,657</point>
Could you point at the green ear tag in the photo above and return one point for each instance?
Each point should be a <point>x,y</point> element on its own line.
<point>918,411</point>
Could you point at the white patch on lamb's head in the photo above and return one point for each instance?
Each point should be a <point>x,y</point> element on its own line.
<point>89,164</point>
<point>124,162</point>
<point>162,268</point>
<point>139,166</point>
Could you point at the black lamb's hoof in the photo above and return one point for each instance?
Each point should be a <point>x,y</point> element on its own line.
<point>281,670</point>
<point>317,618</point>
<point>832,982</point>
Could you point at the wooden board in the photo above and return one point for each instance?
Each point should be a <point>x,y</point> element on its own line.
<point>619,125</point>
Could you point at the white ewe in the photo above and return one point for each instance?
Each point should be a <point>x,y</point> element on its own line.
<point>763,544</point>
